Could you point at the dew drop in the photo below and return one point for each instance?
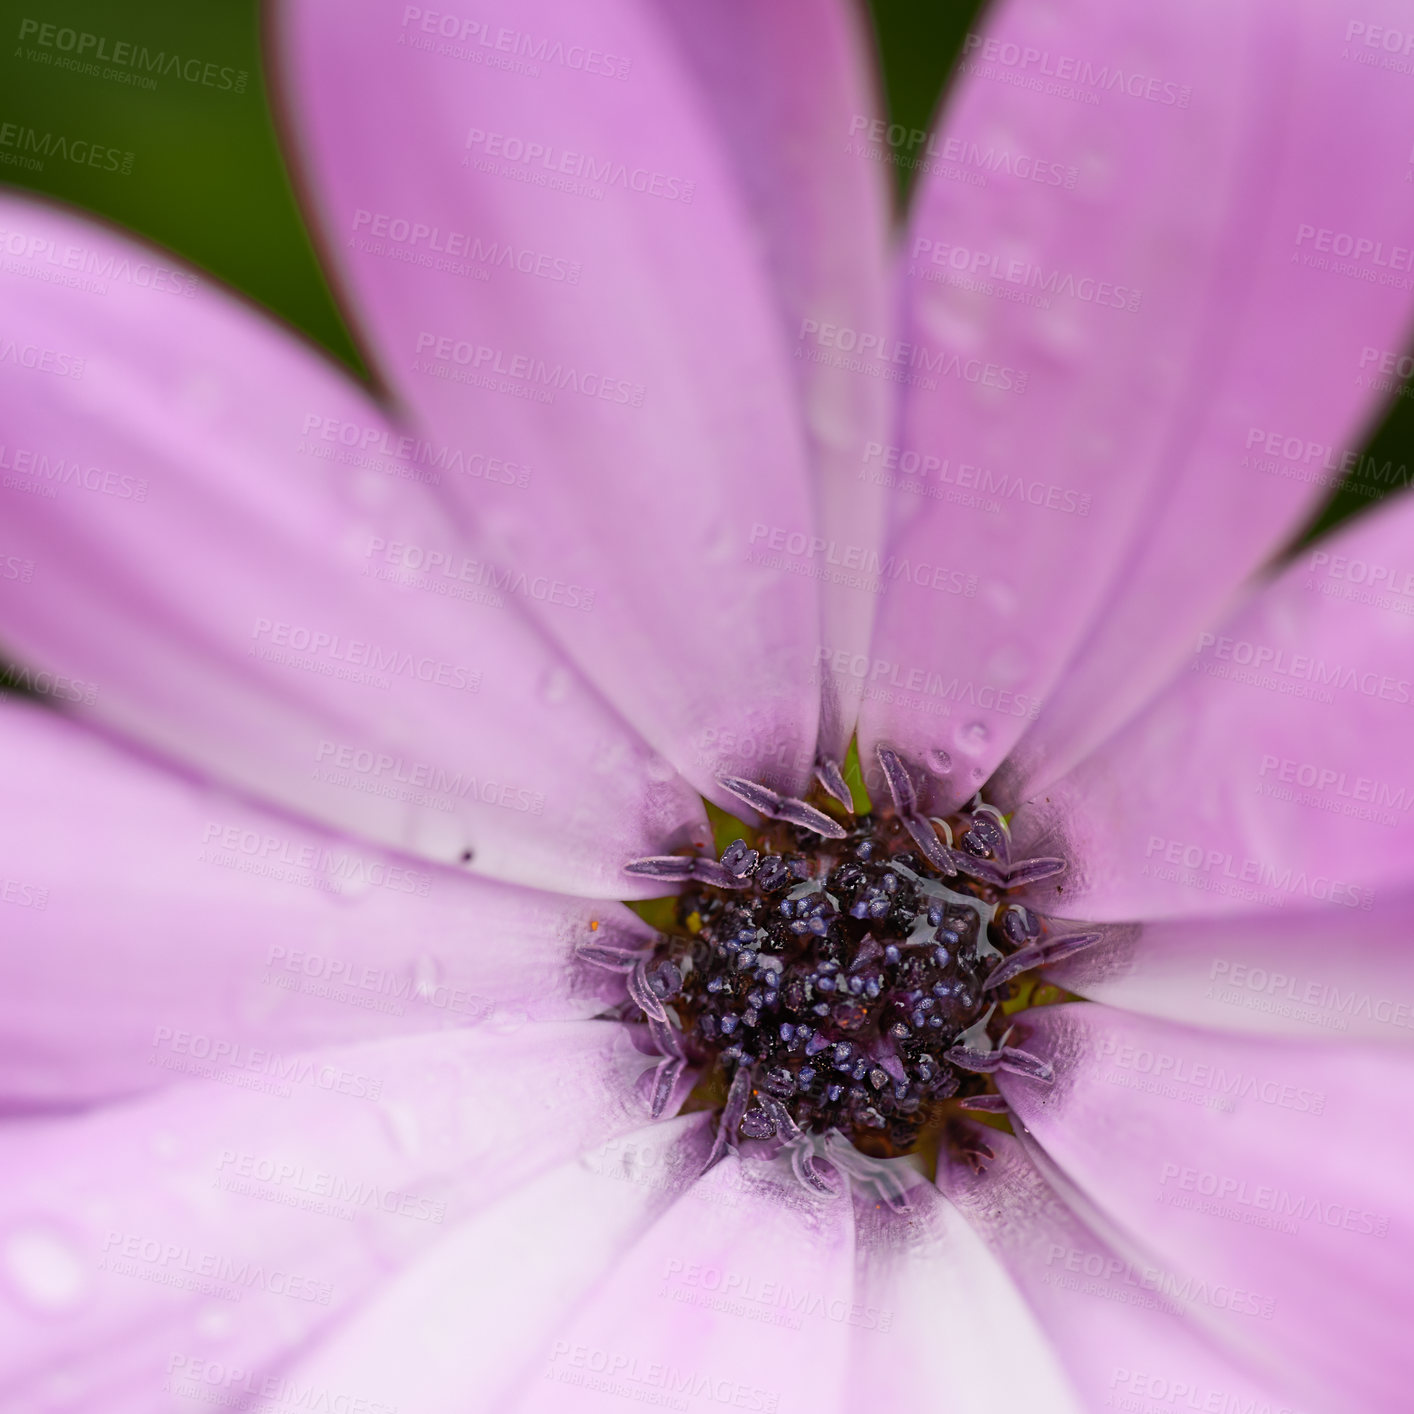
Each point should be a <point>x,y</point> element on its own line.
<point>972,738</point>
<point>214,1323</point>
<point>426,974</point>
<point>166,1145</point>
<point>403,1127</point>
<point>659,769</point>
<point>1009,663</point>
<point>719,544</point>
<point>555,686</point>
<point>938,761</point>
<point>1000,597</point>
<point>43,1268</point>
<point>826,417</point>
<point>506,1021</point>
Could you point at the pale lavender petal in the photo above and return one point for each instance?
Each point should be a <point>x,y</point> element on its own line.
<point>740,1285</point>
<point>546,273</point>
<point>1117,1342</point>
<point>793,97</point>
<point>144,908</point>
<point>214,572</point>
<point>476,1319</point>
<point>1321,972</point>
<point>1261,1175</point>
<point>937,1321</point>
<point>1275,772</point>
<point>1280,412</point>
<point>236,1221</point>
<point>1133,261</point>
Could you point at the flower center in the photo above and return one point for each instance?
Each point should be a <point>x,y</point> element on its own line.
<point>844,974</point>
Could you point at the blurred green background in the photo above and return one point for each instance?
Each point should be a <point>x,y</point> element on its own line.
<point>208,181</point>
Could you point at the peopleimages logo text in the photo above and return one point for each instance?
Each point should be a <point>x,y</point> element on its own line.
<point>82,45</point>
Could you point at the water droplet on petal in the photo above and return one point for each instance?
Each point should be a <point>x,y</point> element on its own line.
<point>719,545</point>
<point>166,1145</point>
<point>403,1127</point>
<point>1008,664</point>
<point>43,1269</point>
<point>972,738</point>
<point>505,1021</point>
<point>426,974</point>
<point>938,762</point>
<point>659,769</point>
<point>555,686</point>
<point>827,415</point>
<point>1000,598</point>
<point>214,1323</point>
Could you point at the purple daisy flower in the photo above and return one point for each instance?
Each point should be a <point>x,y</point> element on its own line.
<point>336,1075</point>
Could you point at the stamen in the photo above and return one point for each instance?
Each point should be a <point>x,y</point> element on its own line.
<point>643,995</point>
<point>926,838</point>
<point>833,783</point>
<point>783,807</point>
<point>609,957</point>
<point>989,1104</point>
<point>1032,871</point>
<point>1038,954</point>
<point>1007,1058</point>
<point>899,782</point>
<point>983,870</point>
<point>665,1078</point>
<point>730,1121</point>
<point>666,1039</point>
<point>673,868</point>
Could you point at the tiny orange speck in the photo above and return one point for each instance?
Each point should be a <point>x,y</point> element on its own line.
<point>593,925</point>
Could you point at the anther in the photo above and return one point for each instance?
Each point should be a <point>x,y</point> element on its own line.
<point>926,838</point>
<point>1007,1058</point>
<point>783,807</point>
<point>983,870</point>
<point>609,957</point>
<point>832,781</point>
<point>643,995</point>
<point>1032,871</point>
<point>672,868</point>
<point>899,782</point>
<point>988,1104</point>
<point>665,1078</point>
<point>1039,954</point>
<point>730,1119</point>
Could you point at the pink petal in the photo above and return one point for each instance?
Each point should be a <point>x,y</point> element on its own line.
<point>1117,1343</point>
<point>1264,1177</point>
<point>1197,140</point>
<point>660,480</point>
<point>737,1287</point>
<point>476,1318</point>
<point>207,576</point>
<point>792,93</point>
<point>1275,772</point>
<point>221,1223</point>
<point>1317,972</point>
<point>144,906</point>
<point>937,1319</point>
<point>1287,396</point>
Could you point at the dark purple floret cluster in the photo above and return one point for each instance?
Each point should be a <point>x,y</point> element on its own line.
<point>842,976</point>
<point>840,973</point>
